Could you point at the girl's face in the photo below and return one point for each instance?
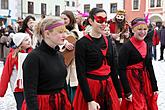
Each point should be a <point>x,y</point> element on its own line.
<point>30,24</point>
<point>56,36</point>
<point>99,23</point>
<point>140,31</point>
<point>66,19</point>
<point>26,43</point>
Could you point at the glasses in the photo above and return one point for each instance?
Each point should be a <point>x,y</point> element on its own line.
<point>100,19</point>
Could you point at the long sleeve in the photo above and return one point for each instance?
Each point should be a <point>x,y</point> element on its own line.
<point>81,70</point>
<point>114,68</point>
<point>30,80</point>
<point>123,62</point>
<point>149,66</point>
<point>6,74</point>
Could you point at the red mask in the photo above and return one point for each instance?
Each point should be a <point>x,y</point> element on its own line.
<point>100,19</point>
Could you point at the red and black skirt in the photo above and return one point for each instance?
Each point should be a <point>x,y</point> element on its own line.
<point>103,92</point>
<point>142,94</point>
<point>57,101</point>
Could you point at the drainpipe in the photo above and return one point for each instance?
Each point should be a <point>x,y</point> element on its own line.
<point>21,9</point>
<point>124,4</point>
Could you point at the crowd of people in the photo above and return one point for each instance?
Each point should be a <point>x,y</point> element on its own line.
<point>82,62</point>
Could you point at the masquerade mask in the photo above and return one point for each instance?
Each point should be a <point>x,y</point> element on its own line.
<point>54,25</point>
<point>100,19</point>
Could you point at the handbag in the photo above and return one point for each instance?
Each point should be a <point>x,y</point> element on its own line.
<point>69,54</point>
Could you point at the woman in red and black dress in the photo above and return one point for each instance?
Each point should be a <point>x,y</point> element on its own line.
<point>95,68</point>
<point>136,71</point>
<point>44,71</point>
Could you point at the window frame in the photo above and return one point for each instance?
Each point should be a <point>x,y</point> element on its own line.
<point>43,5</point>
<point>30,7</point>
<point>99,5</point>
<point>57,12</point>
<point>87,10</point>
<point>5,4</point>
<point>111,11</point>
<point>138,7</point>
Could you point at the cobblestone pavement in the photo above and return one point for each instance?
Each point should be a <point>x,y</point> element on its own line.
<point>8,102</point>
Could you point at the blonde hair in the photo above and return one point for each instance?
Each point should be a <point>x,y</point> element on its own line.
<point>48,21</point>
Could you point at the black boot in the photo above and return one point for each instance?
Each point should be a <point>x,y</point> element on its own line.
<point>160,59</point>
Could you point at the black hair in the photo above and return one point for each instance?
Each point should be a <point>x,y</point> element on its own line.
<point>94,11</point>
<point>136,20</point>
<point>25,21</point>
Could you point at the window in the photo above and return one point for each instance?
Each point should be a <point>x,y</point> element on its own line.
<point>135,4</point>
<point>86,8</point>
<point>99,5</point>
<point>152,3</point>
<point>43,8</point>
<point>67,3</point>
<point>4,4</point>
<point>57,10</point>
<point>158,3</point>
<point>73,4</point>
<point>30,7</point>
<point>113,7</point>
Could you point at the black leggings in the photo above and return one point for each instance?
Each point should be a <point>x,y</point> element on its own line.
<point>162,47</point>
<point>19,97</point>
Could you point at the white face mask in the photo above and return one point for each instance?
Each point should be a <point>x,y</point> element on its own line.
<point>120,18</point>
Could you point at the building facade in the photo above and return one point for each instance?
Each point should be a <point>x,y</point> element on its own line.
<point>10,8</point>
<point>140,8</point>
<point>71,5</point>
<point>42,7</point>
<point>110,6</point>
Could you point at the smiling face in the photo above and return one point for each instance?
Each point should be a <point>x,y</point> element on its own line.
<point>99,22</point>
<point>120,17</point>
<point>30,24</point>
<point>140,30</point>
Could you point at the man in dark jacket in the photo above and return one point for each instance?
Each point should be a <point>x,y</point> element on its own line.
<point>162,42</point>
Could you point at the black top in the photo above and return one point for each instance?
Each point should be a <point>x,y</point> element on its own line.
<point>129,55</point>
<point>44,72</point>
<point>88,57</point>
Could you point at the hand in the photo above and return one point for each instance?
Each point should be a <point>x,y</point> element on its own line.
<point>69,46</point>
<point>126,35</point>
<point>115,36</point>
<point>156,92</point>
<point>129,98</point>
<point>92,105</point>
<point>120,100</point>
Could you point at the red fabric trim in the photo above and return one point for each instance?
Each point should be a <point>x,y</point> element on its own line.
<point>105,69</point>
<point>59,101</point>
<point>95,86</point>
<point>112,27</point>
<point>140,46</point>
<point>141,100</point>
<point>7,72</point>
<point>155,39</point>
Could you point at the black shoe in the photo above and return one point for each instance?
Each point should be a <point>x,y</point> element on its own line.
<point>160,59</point>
